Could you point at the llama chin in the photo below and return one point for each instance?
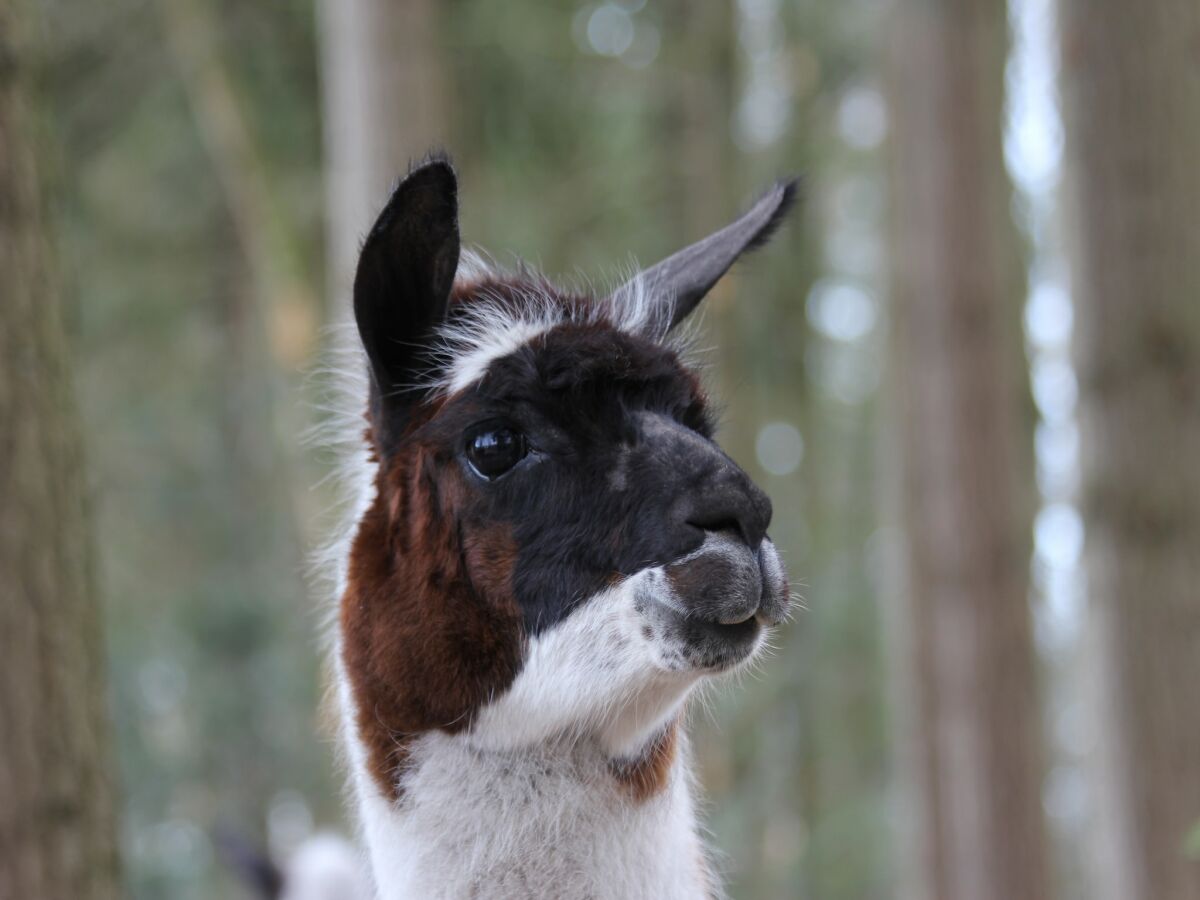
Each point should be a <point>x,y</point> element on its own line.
<point>552,554</point>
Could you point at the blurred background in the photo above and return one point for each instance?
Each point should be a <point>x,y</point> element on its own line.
<point>968,373</point>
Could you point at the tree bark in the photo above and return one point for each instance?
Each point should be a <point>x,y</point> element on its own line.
<point>58,835</point>
<point>384,103</point>
<point>970,732</point>
<point>1131,103</point>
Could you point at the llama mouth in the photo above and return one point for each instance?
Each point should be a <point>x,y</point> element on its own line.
<point>719,601</point>
<point>733,634</point>
<point>705,644</point>
<point>737,618</point>
<point>712,646</point>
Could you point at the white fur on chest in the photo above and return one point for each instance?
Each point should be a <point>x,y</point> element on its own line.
<point>554,823</point>
<point>526,803</point>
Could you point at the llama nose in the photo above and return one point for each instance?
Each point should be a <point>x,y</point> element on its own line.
<point>734,503</point>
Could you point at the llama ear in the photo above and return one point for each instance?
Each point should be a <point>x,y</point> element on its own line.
<point>676,285</point>
<point>403,282</point>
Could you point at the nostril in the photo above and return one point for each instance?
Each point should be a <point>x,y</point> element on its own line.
<point>733,507</point>
<point>717,524</point>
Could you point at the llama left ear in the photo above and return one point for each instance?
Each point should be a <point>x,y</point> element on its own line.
<point>402,287</point>
<point>676,285</point>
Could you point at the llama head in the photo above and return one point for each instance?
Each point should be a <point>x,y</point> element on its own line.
<point>557,548</point>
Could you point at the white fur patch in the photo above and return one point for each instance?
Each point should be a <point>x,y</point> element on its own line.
<point>488,329</point>
<point>546,822</point>
<point>593,676</point>
<point>338,440</point>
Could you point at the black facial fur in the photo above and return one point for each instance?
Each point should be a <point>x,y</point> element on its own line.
<point>617,470</point>
<point>621,473</point>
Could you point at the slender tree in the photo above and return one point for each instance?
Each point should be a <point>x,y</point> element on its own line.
<point>57,821</point>
<point>283,296</point>
<point>970,717</point>
<point>384,94</point>
<point>1131,102</point>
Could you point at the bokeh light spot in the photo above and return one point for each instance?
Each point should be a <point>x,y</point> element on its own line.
<point>780,448</point>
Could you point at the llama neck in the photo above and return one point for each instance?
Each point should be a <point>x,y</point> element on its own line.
<point>561,820</point>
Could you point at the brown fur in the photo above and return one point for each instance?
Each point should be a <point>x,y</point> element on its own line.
<point>647,776</point>
<point>430,628</point>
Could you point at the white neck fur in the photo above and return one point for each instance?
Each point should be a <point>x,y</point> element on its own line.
<point>528,802</point>
<point>550,824</point>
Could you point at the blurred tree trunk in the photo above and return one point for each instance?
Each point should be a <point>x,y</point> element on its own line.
<point>971,743</point>
<point>384,103</point>
<point>57,820</point>
<point>1131,98</point>
<point>287,307</point>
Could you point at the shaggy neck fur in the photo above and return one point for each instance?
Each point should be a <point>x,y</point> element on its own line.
<point>559,820</point>
<point>572,782</point>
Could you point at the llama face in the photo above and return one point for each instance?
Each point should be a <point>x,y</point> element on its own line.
<point>557,546</point>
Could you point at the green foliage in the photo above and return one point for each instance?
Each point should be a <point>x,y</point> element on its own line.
<point>1191,843</point>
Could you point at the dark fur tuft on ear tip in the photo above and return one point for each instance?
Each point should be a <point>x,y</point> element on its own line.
<point>435,168</point>
<point>789,191</point>
<point>432,155</point>
<point>434,158</point>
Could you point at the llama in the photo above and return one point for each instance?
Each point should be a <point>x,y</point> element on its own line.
<point>550,554</point>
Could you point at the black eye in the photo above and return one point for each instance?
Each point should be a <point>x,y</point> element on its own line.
<point>494,450</point>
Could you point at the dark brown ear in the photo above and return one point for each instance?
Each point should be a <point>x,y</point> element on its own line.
<point>402,286</point>
<point>676,285</point>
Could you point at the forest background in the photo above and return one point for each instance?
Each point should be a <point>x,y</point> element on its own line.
<point>968,373</point>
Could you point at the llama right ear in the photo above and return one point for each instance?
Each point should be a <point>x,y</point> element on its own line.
<point>402,287</point>
<point>675,286</point>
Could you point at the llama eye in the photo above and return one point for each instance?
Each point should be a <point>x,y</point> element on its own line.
<point>493,451</point>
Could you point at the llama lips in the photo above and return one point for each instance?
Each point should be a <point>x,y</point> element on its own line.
<point>721,597</point>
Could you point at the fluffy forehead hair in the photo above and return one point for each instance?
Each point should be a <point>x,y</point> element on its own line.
<point>494,311</point>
